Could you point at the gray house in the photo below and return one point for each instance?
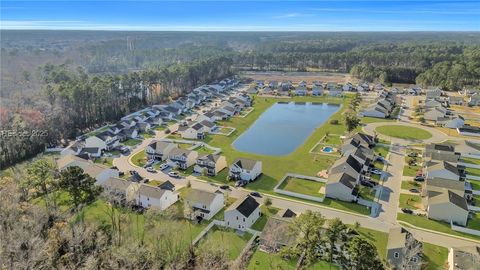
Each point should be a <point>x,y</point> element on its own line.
<point>403,250</point>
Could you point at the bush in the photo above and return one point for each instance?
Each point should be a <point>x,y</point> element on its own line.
<point>334,122</point>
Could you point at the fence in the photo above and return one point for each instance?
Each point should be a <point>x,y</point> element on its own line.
<point>299,195</point>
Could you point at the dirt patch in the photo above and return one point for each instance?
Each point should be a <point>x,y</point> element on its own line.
<point>296,77</point>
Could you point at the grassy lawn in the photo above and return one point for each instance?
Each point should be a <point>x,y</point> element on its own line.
<point>474,222</point>
<point>261,260</point>
<point>368,120</point>
<point>302,186</point>
<point>410,170</point>
<point>424,222</point>
<point>332,139</point>
<point>267,212</point>
<point>404,132</point>
<point>410,201</point>
<point>367,193</point>
<point>62,197</point>
<point>135,225</point>
<point>160,128</point>
<point>475,184</point>
<point>147,135</point>
<point>139,159</point>
<point>377,238</point>
<point>347,206</point>
<point>184,145</point>
<point>472,171</point>
<point>471,160</point>
<point>227,239</point>
<point>435,256</point>
<point>202,150</point>
<point>131,142</point>
<point>381,150</point>
<point>106,161</point>
<point>410,184</point>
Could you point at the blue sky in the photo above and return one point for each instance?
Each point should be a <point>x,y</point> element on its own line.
<point>242,15</point>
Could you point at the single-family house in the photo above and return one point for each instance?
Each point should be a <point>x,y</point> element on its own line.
<point>441,151</point>
<point>99,173</point>
<point>433,114</point>
<point>192,132</point>
<point>210,164</point>
<point>242,214</point>
<point>104,140</point>
<point>456,100</point>
<point>448,206</point>
<point>208,126</point>
<point>463,258</point>
<point>317,90</point>
<point>442,169</point>
<point>467,130</point>
<point>202,205</point>
<point>342,186</point>
<point>155,197</point>
<point>474,100</point>
<point>245,169</point>
<point>403,250</point>
<point>376,110</point>
<point>131,133</point>
<point>301,91</point>
<point>73,149</point>
<point>159,150</point>
<point>182,158</point>
<point>433,93</point>
<point>118,190</point>
<point>453,122</point>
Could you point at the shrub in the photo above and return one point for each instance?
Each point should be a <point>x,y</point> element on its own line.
<point>334,122</point>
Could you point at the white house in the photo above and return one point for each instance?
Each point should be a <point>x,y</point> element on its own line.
<point>100,173</point>
<point>442,169</point>
<point>453,122</point>
<point>182,158</point>
<point>156,197</point>
<point>242,214</point>
<point>202,205</point>
<point>375,110</point>
<point>245,169</point>
<point>159,150</point>
<point>104,141</point>
<point>194,132</point>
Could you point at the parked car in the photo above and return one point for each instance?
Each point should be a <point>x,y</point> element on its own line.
<point>174,174</point>
<point>414,190</point>
<point>255,194</point>
<point>151,170</point>
<point>419,178</point>
<point>412,154</point>
<point>146,180</point>
<point>163,166</point>
<point>225,187</point>
<point>240,183</point>
<point>407,211</point>
<point>375,171</point>
<point>121,173</point>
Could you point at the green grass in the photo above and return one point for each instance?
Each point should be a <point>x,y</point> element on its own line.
<point>184,145</point>
<point>262,260</point>
<point>147,135</point>
<point>434,225</point>
<point>474,222</point>
<point>470,160</point>
<point>332,139</point>
<point>368,120</point>
<point>202,150</point>
<point>267,212</point>
<point>106,161</point>
<point>62,198</point>
<point>434,256</point>
<point>410,184</point>
<point>227,239</point>
<point>381,150</point>
<point>139,159</point>
<point>410,170</point>
<point>302,186</point>
<point>160,128</point>
<point>367,193</point>
<point>131,142</point>
<point>404,132</point>
<point>377,238</point>
<point>475,184</point>
<point>347,206</point>
<point>410,201</point>
<point>472,171</point>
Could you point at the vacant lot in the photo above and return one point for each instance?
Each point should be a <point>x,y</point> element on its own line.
<point>296,77</point>
<point>302,186</point>
<point>227,240</point>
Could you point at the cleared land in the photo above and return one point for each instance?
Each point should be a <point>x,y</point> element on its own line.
<point>404,132</point>
<point>227,239</point>
<point>303,186</point>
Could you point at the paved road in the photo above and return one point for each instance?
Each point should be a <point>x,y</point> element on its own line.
<point>390,192</point>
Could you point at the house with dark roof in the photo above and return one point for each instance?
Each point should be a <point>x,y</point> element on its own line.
<point>444,170</point>
<point>244,169</point>
<point>194,131</point>
<point>441,151</point>
<point>202,205</point>
<point>469,130</point>
<point>242,214</point>
<point>342,186</point>
<point>210,164</point>
<point>159,150</point>
<point>155,197</point>
<point>104,141</point>
<point>403,250</point>
<point>448,206</point>
<point>182,158</point>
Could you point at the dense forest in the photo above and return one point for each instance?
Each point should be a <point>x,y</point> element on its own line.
<point>55,84</point>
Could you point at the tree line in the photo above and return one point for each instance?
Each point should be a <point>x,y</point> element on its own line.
<point>74,101</point>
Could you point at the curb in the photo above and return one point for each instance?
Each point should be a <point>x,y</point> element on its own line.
<point>401,222</point>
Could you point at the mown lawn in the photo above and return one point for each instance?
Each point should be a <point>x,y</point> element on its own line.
<point>139,159</point>
<point>410,201</point>
<point>227,239</point>
<point>404,132</point>
<point>435,256</point>
<point>475,161</point>
<point>261,260</point>
<point>131,142</point>
<point>410,184</point>
<point>267,212</point>
<point>303,186</point>
<point>332,139</point>
<point>368,120</point>
<point>475,184</point>
<point>63,200</point>
<point>474,222</point>
<point>472,171</point>
<point>424,222</point>
<point>381,150</point>
<point>106,161</point>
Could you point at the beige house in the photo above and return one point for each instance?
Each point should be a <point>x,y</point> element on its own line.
<point>201,204</point>
<point>342,186</point>
<point>182,158</point>
<point>447,206</point>
<point>159,150</point>
<point>442,169</point>
<point>210,164</point>
<point>100,173</point>
<point>437,151</point>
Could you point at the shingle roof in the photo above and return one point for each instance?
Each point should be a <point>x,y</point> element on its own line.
<point>117,183</point>
<point>201,196</point>
<point>244,163</point>
<point>246,206</point>
<point>150,191</point>
<point>167,185</point>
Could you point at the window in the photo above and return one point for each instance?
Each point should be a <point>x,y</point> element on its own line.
<point>243,219</point>
<point>396,255</point>
<point>415,259</point>
<point>237,217</point>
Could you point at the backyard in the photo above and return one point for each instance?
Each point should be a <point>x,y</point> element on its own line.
<point>404,132</point>
<point>410,201</point>
<point>473,172</point>
<point>474,161</point>
<point>303,186</point>
<point>226,239</point>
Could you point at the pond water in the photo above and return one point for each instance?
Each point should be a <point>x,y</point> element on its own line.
<point>284,127</point>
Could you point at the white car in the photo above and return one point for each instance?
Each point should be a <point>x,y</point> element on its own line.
<point>376,171</point>
<point>163,166</point>
<point>174,174</point>
<point>150,169</point>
